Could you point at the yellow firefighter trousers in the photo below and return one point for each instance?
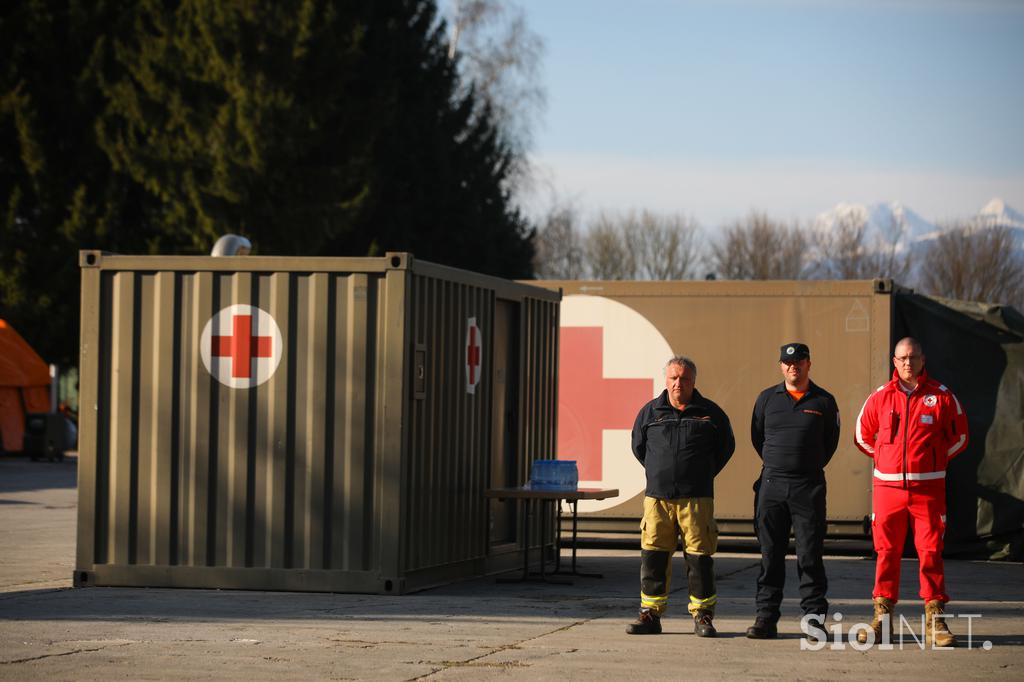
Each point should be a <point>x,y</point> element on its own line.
<point>663,522</point>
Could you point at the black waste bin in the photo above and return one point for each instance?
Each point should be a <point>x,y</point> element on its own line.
<point>45,435</point>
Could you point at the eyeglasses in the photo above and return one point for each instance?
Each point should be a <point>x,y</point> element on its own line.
<point>906,358</point>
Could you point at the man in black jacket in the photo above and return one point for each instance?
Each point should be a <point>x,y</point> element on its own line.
<point>683,440</point>
<point>795,430</point>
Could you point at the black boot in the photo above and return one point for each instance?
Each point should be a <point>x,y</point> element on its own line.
<point>762,629</point>
<point>647,623</point>
<point>702,626</point>
<point>816,622</point>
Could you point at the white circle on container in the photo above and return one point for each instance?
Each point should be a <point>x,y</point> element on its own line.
<point>241,346</point>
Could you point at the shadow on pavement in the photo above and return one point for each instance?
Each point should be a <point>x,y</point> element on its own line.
<point>18,473</point>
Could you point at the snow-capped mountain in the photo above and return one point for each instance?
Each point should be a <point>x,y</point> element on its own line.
<point>885,223</point>
<point>896,237</point>
<point>895,224</point>
<point>996,212</point>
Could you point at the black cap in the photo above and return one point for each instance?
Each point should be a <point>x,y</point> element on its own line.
<point>794,351</point>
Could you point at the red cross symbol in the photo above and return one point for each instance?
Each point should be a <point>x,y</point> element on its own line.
<point>241,347</point>
<point>588,403</point>
<point>473,354</point>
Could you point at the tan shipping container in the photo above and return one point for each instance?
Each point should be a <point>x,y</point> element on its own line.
<point>321,424</point>
<point>616,337</point>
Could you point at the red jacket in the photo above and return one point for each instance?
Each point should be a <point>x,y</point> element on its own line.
<point>911,437</point>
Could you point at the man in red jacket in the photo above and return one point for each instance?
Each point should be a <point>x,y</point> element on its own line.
<point>911,427</point>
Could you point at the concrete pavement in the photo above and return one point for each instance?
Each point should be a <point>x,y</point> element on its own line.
<point>471,630</point>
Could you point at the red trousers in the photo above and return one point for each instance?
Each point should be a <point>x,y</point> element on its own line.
<point>923,507</point>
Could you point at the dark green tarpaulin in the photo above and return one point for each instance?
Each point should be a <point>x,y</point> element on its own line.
<point>977,350</point>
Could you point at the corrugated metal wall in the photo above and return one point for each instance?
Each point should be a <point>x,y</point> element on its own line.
<point>340,471</point>
<point>450,428</point>
<point>447,468</point>
<point>538,397</point>
<point>282,482</point>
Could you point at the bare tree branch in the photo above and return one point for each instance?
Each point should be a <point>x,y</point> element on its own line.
<point>839,249</point>
<point>559,248</point>
<point>759,248</point>
<point>629,246</point>
<point>891,255</point>
<point>975,262</point>
<point>607,251</point>
<point>500,57</point>
<point>666,246</point>
<point>844,250</point>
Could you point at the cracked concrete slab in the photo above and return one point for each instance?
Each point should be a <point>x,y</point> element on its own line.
<point>475,630</point>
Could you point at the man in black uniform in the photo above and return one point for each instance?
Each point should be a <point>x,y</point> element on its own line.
<point>795,431</point>
<point>683,440</point>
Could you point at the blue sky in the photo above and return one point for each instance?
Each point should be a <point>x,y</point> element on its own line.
<point>712,109</point>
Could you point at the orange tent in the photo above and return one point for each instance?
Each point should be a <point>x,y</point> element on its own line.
<point>24,386</point>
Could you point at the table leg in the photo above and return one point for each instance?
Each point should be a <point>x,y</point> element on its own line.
<point>525,511</point>
<point>545,519</point>
<point>575,525</point>
<point>574,516</point>
<point>527,575</point>
<point>558,536</point>
<point>543,533</point>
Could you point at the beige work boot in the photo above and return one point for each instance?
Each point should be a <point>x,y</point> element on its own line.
<point>935,628</point>
<point>883,607</point>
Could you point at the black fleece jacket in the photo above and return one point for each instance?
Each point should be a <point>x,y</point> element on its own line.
<point>682,450</point>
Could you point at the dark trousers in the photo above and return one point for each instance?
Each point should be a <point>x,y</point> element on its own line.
<point>781,503</point>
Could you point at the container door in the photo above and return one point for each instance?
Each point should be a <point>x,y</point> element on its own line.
<point>503,419</point>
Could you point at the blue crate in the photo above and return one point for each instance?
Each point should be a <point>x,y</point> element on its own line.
<point>554,474</point>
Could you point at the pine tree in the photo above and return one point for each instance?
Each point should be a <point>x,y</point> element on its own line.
<point>58,190</point>
<point>314,127</point>
<point>328,128</point>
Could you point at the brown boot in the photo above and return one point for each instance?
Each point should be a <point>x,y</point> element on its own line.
<point>935,628</point>
<point>883,607</point>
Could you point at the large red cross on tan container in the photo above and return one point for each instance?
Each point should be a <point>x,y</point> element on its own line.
<point>589,403</point>
<point>242,346</point>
